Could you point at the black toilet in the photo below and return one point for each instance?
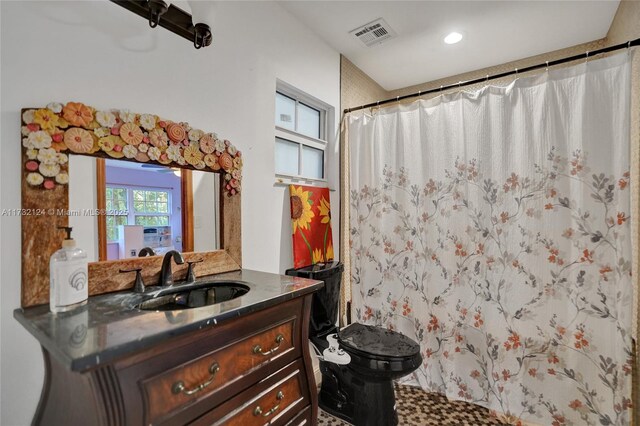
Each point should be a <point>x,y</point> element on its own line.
<point>359,362</point>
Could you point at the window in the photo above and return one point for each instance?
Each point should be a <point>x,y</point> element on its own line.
<point>117,202</point>
<point>152,220</point>
<point>302,127</point>
<point>151,207</point>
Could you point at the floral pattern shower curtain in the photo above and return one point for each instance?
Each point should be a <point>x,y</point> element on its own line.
<point>493,228</point>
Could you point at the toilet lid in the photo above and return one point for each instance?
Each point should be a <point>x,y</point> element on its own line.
<point>377,341</point>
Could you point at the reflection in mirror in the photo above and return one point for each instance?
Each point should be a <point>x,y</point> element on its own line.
<point>205,190</point>
<point>144,208</point>
<point>82,199</point>
<point>146,205</point>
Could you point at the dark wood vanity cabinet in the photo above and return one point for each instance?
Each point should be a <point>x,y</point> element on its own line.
<point>251,370</point>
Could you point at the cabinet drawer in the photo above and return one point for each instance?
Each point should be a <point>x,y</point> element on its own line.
<point>302,419</point>
<point>174,382</point>
<point>273,401</point>
<point>203,376</point>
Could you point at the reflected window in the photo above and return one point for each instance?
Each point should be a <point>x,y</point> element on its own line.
<point>117,203</point>
<point>150,202</point>
<point>112,226</point>
<point>152,220</point>
<point>150,207</point>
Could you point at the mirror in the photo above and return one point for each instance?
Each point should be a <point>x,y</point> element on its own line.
<point>51,135</point>
<point>145,205</point>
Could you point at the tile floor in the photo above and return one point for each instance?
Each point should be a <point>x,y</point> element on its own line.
<point>419,408</point>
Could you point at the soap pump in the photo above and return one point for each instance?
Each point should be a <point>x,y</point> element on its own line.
<point>69,286</point>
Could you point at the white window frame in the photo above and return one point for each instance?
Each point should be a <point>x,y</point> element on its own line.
<point>326,129</point>
<point>133,213</point>
<point>128,215</point>
<point>131,216</point>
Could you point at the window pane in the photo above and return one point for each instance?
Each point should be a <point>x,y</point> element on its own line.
<point>109,193</point>
<point>150,195</point>
<point>312,162</point>
<point>308,121</point>
<point>144,220</point>
<point>163,208</point>
<point>151,207</point>
<point>112,234</point>
<point>120,193</point>
<point>109,204</point>
<point>138,195</point>
<point>112,226</point>
<point>285,111</point>
<point>152,220</point>
<point>286,157</point>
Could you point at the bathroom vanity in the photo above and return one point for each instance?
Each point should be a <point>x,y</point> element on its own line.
<point>230,348</point>
<point>244,361</point>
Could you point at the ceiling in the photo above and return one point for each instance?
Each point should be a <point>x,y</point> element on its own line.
<point>494,32</point>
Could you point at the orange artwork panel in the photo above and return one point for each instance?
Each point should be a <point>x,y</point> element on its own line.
<point>311,225</point>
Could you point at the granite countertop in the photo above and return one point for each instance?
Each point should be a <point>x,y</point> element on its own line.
<point>108,326</point>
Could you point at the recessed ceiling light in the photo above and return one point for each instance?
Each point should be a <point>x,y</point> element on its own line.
<point>453,38</point>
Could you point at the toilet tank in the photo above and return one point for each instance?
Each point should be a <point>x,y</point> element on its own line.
<point>326,302</point>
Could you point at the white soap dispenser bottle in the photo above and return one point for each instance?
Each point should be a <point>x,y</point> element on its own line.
<point>69,276</point>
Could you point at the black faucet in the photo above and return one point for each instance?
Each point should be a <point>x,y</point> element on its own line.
<point>146,251</point>
<point>166,277</point>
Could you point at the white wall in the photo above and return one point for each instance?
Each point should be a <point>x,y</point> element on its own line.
<point>206,210</point>
<point>82,196</point>
<point>103,55</point>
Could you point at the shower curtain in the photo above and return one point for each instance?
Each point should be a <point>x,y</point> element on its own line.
<point>493,228</point>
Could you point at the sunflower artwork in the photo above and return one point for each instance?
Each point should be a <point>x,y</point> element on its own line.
<point>311,225</point>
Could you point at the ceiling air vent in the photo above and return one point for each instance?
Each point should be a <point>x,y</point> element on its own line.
<point>374,32</point>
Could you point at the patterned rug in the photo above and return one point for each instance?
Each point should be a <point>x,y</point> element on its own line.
<point>420,408</point>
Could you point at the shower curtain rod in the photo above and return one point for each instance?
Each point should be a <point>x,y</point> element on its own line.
<point>547,64</point>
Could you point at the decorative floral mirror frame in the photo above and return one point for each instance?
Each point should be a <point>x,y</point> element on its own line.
<point>49,134</point>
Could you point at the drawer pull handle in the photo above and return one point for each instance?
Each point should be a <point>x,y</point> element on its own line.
<point>258,411</point>
<point>257,349</point>
<point>178,387</point>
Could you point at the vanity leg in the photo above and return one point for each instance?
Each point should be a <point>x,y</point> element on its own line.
<point>71,398</point>
<point>44,395</point>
